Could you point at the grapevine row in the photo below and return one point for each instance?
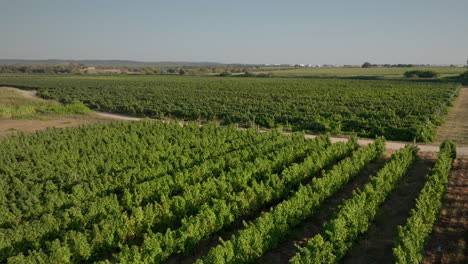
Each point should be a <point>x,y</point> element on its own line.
<point>157,247</point>
<point>409,244</point>
<point>97,213</point>
<point>356,214</point>
<point>270,228</point>
<point>39,171</point>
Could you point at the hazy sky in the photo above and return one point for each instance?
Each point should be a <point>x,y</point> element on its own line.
<point>315,32</point>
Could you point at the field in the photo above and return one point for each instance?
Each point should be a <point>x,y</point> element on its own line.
<point>156,191</point>
<point>370,73</point>
<point>396,109</point>
<point>150,192</point>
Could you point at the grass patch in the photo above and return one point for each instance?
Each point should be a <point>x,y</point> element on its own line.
<point>14,105</point>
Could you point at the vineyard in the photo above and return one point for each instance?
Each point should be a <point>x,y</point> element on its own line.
<point>395,109</point>
<point>149,192</point>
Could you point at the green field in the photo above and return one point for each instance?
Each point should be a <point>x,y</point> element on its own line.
<point>374,72</point>
<point>396,109</point>
<point>150,192</point>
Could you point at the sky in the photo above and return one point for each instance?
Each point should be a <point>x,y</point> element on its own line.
<point>308,32</point>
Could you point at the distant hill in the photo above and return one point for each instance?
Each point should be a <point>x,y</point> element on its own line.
<point>127,63</point>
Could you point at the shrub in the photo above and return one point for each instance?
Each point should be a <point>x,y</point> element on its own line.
<point>248,74</point>
<point>225,73</point>
<point>420,74</point>
<point>464,76</point>
<point>267,75</point>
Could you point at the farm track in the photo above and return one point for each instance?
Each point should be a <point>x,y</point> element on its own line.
<point>390,145</point>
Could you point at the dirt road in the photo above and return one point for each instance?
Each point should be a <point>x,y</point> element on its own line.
<point>118,116</point>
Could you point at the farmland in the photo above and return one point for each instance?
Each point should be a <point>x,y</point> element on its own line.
<point>233,132</point>
<point>154,192</point>
<point>358,72</point>
<point>396,109</point>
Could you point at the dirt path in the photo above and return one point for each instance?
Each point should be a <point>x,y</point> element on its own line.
<point>13,126</point>
<point>119,116</point>
<point>25,93</point>
<point>456,122</point>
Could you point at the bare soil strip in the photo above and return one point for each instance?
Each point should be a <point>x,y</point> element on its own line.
<point>118,116</point>
<point>376,245</point>
<point>14,126</point>
<point>449,240</point>
<point>455,127</point>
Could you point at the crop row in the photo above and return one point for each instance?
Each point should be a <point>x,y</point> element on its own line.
<point>79,246</point>
<point>231,207</point>
<point>356,214</point>
<point>123,227</point>
<point>83,215</point>
<point>270,228</point>
<point>409,245</point>
<point>48,170</point>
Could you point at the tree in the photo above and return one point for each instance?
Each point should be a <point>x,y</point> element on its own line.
<point>225,73</point>
<point>181,72</point>
<point>366,65</point>
<point>420,74</point>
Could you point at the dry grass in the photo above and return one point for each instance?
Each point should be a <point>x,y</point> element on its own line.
<point>14,104</point>
<point>456,123</point>
<point>17,104</point>
<point>22,113</point>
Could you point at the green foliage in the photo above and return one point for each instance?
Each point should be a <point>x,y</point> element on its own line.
<point>15,105</point>
<point>77,194</point>
<point>409,244</point>
<point>356,214</point>
<point>270,228</point>
<point>232,204</point>
<point>399,110</point>
<point>421,74</point>
<point>464,77</point>
<point>225,73</point>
